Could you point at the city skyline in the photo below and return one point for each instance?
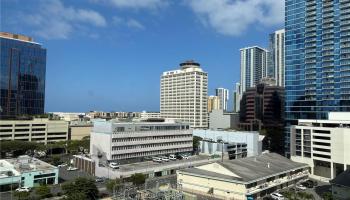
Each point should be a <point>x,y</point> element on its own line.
<point>84,63</point>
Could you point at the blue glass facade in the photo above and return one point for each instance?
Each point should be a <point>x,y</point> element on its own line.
<point>22,78</point>
<point>317,57</point>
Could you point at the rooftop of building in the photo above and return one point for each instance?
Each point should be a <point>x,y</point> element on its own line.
<point>342,179</point>
<point>252,47</point>
<point>24,164</point>
<point>18,37</point>
<point>29,121</point>
<point>248,169</point>
<point>189,63</point>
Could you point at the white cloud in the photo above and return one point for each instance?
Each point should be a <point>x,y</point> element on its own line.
<point>56,21</point>
<point>136,4</point>
<point>233,17</point>
<point>130,22</point>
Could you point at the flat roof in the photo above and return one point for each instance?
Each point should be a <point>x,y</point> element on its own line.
<point>27,164</point>
<point>252,168</point>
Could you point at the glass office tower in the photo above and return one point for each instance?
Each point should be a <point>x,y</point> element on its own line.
<point>317,59</point>
<point>22,76</point>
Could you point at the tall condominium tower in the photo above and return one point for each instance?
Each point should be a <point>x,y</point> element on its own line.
<point>253,66</point>
<point>276,66</point>
<point>213,103</point>
<point>222,94</point>
<point>184,93</point>
<point>22,72</point>
<point>317,76</point>
<point>236,97</point>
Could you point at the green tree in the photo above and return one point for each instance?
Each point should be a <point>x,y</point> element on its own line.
<point>327,196</point>
<point>22,195</point>
<point>43,191</point>
<point>76,196</point>
<point>196,142</point>
<point>138,178</point>
<point>113,185</point>
<point>81,185</point>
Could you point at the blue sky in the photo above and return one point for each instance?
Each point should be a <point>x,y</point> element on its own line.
<point>109,54</point>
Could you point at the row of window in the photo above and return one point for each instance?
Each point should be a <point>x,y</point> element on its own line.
<point>142,146</point>
<point>170,137</point>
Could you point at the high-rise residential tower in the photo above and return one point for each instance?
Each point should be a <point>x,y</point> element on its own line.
<point>276,65</point>
<point>317,58</point>
<point>237,97</point>
<point>184,93</point>
<point>222,94</point>
<point>253,66</point>
<point>213,103</point>
<point>22,76</point>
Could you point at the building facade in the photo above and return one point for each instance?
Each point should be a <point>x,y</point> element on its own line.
<point>223,96</point>
<point>251,138</point>
<point>22,82</point>
<point>227,150</point>
<point>317,60</point>
<point>213,103</point>
<point>253,66</point>
<point>38,130</point>
<point>322,144</point>
<point>262,106</point>
<point>220,120</point>
<point>244,178</point>
<point>133,141</point>
<point>276,65</point>
<point>184,93</point>
<point>237,97</point>
<point>26,171</point>
<point>150,115</point>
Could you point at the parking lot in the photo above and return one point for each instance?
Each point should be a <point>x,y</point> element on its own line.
<point>151,167</point>
<point>316,191</point>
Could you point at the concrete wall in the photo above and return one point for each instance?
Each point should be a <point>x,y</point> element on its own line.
<point>251,138</point>
<point>221,189</point>
<point>79,132</point>
<point>220,120</point>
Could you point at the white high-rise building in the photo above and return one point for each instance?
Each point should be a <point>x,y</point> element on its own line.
<point>237,97</point>
<point>253,66</point>
<point>222,94</point>
<point>184,93</point>
<point>276,48</point>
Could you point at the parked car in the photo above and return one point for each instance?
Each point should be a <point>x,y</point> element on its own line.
<point>300,187</point>
<point>23,189</point>
<point>277,196</point>
<point>164,158</point>
<point>62,165</point>
<point>309,183</point>
<point>99,180</point>
<point>114,165</point>
<point>172,157</point>
<point>157,159</point>
<point>184,156</point>
<point>72,168</point>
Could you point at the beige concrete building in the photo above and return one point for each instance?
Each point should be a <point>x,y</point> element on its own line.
<point>183,95</point>
<point>213,103</point>
<point>322,144</point>
<point>240,179</point>
<point>79,130</point>
<point>38,130</point>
